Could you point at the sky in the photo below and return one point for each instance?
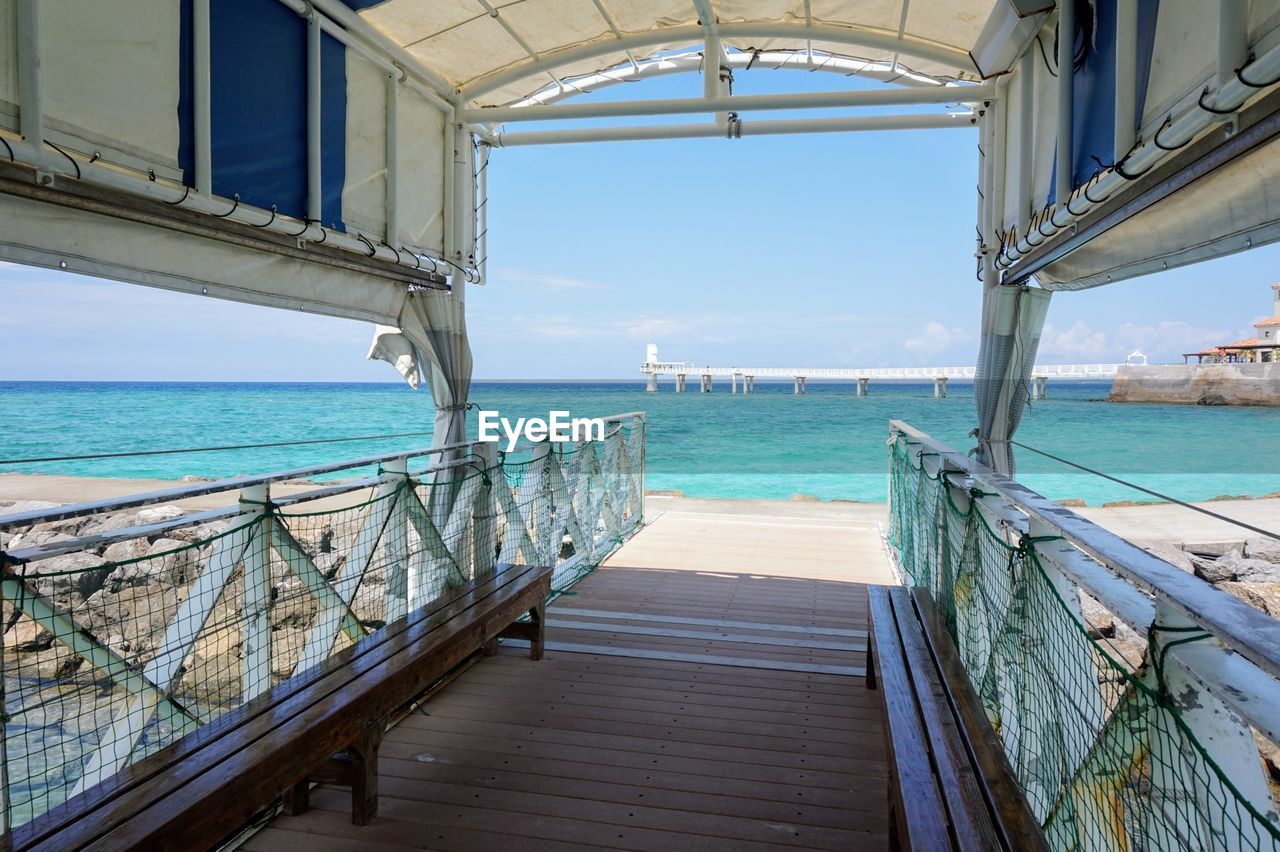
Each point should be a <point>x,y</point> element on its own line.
<point>833,250</point>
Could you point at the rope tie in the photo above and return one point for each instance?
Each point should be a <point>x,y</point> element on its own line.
<point>1158,652</point>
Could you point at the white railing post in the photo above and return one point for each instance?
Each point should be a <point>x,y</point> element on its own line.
<point>164,670</point>
<point>396,538</point>
<point>485,526</point>
<point>1225,737</point>
<point>1065,656</point>
<point>256,613</point>
<point>536,494</point>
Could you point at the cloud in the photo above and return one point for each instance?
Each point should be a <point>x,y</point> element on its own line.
<point>655,327</point>
<point>1078,341</point>
<point>544,281</point>
<point>936,338</point>
<point>1161,341</point>
<point>1165,337</point>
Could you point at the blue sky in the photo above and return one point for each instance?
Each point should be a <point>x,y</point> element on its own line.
<point>827,250</point>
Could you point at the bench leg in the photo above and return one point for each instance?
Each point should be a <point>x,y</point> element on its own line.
<point>488,649</point>
<point>536,618</point>
<point>297,798</point>
<point>364,774</point>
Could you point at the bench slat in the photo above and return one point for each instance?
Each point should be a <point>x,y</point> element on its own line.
<point>916,799</point>
<point>966,805</point>
<point>211,779</point>
<point>1013,817</point>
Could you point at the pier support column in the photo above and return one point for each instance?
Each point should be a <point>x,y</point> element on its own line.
<point>940,387</point>
<point>651,383</point>
<point>706,383</point>
<point>733,378</point>
<point>750,384</point>
<point>799,386</point>
<point>864,387</point>
<point>803,390</point>
<point>680,377</point>
<point>1039,387</point>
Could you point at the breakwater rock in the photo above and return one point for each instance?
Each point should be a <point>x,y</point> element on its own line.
<point>1198,384</point>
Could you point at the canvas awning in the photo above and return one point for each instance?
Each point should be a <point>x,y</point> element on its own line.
<point>496,52</point>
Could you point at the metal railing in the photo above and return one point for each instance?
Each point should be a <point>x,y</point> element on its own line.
<point>124,631</point>
<point>1132,698</point>
<point>1065,371</point>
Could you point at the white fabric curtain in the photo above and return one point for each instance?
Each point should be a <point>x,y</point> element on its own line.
<point>431,341</point>
<point>1012,319</point>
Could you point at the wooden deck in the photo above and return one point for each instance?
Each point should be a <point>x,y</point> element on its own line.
<point>702,690</point>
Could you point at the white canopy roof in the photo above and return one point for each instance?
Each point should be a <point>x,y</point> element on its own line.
<point>499,52</point>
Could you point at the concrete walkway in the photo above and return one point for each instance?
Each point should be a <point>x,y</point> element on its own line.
<point>1168,523</point>
<point>703,689</point>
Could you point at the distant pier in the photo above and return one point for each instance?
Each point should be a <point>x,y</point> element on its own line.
<point>745,377</point>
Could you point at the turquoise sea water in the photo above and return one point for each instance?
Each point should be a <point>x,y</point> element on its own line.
<point>770,444</point>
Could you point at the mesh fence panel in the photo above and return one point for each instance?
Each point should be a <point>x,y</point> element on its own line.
<point>1107,754</point>
<point>110,654</point>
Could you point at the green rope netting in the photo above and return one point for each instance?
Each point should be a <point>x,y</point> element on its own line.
<point>1097,739</point>
<point>184,613</point>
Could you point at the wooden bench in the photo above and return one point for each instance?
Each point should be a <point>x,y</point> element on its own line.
<point>325,723</point>
<point>951,786</point>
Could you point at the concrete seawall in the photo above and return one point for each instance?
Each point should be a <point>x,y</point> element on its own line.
<point>1199,384</point>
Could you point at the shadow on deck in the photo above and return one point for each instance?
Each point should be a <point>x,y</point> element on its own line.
<point>702,690</point>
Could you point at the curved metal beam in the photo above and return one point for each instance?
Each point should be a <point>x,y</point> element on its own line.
<point>868,37</point>
<point>796,60</point>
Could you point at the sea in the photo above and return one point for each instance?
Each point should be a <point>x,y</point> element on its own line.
<point>829,444</point>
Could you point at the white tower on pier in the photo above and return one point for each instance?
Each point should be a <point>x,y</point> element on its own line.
<point>651,357</point>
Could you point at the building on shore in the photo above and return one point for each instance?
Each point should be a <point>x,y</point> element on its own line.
<point>1264,346</point>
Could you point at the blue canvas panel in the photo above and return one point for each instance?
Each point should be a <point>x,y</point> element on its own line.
<point>258,81</point>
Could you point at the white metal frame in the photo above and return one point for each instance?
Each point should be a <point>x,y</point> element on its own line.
<point>1224,684</point>
<point>854,36</point>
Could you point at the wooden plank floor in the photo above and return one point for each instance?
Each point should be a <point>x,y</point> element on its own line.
<point>701,690</point>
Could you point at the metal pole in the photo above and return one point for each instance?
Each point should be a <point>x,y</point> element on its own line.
<point>314,81</point>
<point>1126,97</point>
<point>1066,98</point>
<point>999,156</point>
<point>482,214</point>
<point>202,97</point>
<point>1233,38</point>
<point>450,185</point>
<point>393,161</point>
<point>536,111</point>
<point>437,88</point>
<point>1026,137</point>
<point>711,76</point>
<point>30,75</point>
<point>758,128</point>
<point>355,34</point>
